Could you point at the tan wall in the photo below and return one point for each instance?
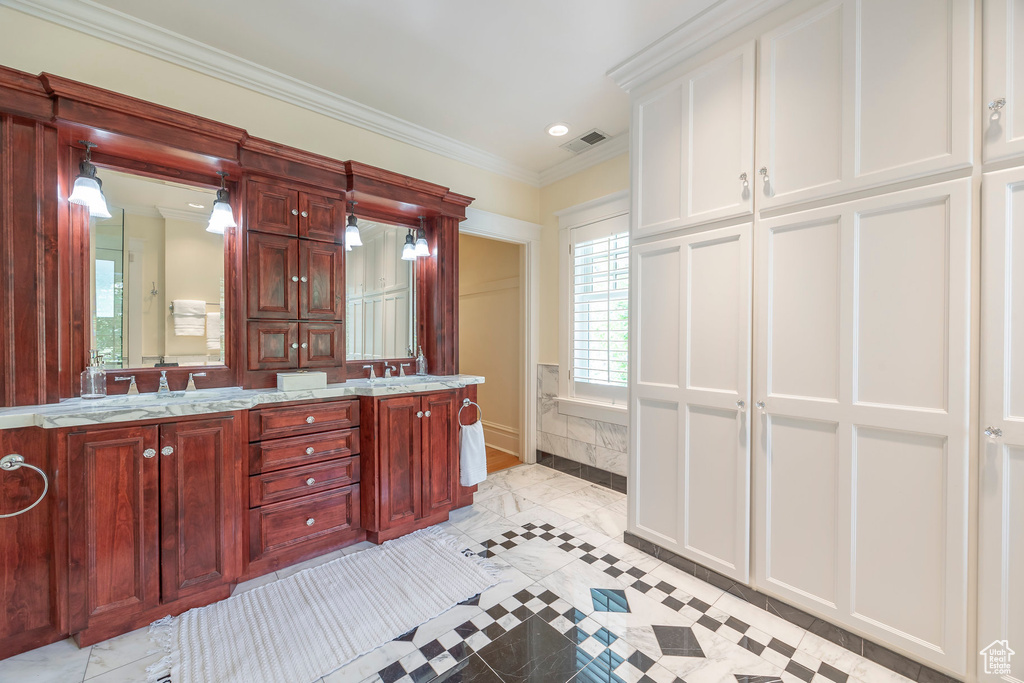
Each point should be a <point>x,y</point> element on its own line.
<point>147,233</point>
<point>194,269</point>
<point>490,334</point>
<point>604,179</point>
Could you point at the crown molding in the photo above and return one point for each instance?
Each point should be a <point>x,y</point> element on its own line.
<point>592,157</point>
<point>122,29</point>
<point>717,21</point>
<point>182,215</point>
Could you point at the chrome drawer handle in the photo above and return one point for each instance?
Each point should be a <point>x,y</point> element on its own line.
<point>310,522</point>
<point>167,450</point>
<point>996,105</point>
<point>427,414</point>
<point>304,214</point>
<point>993,432</point>
<point>295,345</point>
<point>305,345</point>
<point>303,279</point>
<point>295,212</point>
<point>310,481</point>
<point>310,420</point>
<point>149,453</point>
<point>310,451</point>
<point>295,278</point>
<point>419,413</point>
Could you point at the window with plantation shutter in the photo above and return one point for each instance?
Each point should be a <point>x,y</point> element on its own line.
<point>599,314</point>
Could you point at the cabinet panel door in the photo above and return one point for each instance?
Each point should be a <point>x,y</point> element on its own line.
<point>1001,456</point>
<point>200,505</point>
<point>399,446</point>
<point>1003,89</point>
<point>440,466</point>
<point>273,345</point>
<point>273,278</point>
<point>321,281</point>
<point>657,144</point>
<point>113,516</point>
<point>863,365</point>
<point>321,345</point>
<point>272,209</point>
<point>321,218</point>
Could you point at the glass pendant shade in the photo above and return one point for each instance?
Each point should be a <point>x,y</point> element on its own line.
<point>221,218</point>
<point>352,238</point>
<point>87,192</point>
<point>408,249</point>
<point>422,249</point>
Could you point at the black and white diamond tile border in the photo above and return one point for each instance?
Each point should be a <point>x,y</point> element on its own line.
<point>607,656</point>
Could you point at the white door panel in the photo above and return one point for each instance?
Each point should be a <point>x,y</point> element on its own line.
<point>1003,102</point>
<point>1001,456</point>
<point>657,144</point>
<point>690,308</point>
<point>863,363</point>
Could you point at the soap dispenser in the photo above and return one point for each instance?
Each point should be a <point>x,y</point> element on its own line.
<point>421,363</point>
<point>94,377</point>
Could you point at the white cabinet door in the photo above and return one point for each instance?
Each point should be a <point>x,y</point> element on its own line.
<point>690,377</point>
<point>856,94</point>
<point>1001,455</point>
<point>1003,89</point>
<point>862,363</point>
<point>694,146</point>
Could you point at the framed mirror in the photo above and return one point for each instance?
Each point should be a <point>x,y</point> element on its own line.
<point>380,294</point>
<point>157,275</point>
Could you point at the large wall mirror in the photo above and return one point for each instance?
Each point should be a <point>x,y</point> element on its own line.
<point>157,275</point>
<point>381,294</point>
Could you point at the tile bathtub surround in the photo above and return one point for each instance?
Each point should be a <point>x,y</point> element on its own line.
<point>575,604</point>
<point>602,445</point>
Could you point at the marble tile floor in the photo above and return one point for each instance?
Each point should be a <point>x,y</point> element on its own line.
<point>575,604</point>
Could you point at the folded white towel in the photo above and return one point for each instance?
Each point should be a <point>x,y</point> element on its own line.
<point>213,331</point>
<point>472,455</point>
<point>189,318</point>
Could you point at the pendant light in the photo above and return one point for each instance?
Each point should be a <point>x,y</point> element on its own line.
<point>422,249</point>
<point>352,238</point>
<point>222,216</point>
<point>88,189</point>
<point>409,249</point>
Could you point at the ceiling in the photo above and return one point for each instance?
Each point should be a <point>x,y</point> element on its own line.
<point>492,75</point>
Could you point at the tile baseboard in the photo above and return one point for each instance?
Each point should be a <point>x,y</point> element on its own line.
<point>879,654</point>
<point>595,475</point>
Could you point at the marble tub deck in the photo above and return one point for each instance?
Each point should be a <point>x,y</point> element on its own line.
<point>576,604</point>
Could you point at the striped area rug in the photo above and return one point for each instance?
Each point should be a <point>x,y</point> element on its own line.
<point>304,626</point>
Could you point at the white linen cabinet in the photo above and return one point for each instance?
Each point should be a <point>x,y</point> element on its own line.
<point>862,381</point>
<point>856,94</point>
<point>690,359</point>
<point>693,142</point>
<point>1001,448</point>
<point>1003,89</point>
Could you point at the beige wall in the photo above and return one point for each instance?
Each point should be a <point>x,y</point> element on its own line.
<point>490,334</point>
<point>604,179</point>
<point>145,234</point>
<point>194,269</point>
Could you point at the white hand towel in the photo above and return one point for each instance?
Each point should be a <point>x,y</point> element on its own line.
<point>213,331</point>
<point>189,318</point>
<point>473,455</point>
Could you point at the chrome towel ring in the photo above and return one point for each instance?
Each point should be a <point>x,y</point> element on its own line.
<point>12,462</point>
<point>465,404</point>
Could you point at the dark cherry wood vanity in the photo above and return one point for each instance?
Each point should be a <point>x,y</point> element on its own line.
<point>149,517</point>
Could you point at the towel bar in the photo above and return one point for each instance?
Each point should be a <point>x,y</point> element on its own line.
<point>465,404</point>
<point>12,462</point>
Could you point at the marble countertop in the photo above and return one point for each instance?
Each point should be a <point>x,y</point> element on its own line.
<point>75,412</point>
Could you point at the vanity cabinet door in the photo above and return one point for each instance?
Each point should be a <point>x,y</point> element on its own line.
<point>321,345</point>
<point>321,281</point>
<point>200,506</point>
<point>399,450</point>
<point>113,518</point>
<point>439,437</point>
<point>273,276</point>
<point>273,345</point>
<point>272,209</point>
<point>321,218</point>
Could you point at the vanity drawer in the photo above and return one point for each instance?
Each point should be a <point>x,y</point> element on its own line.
<point>269,456</point>
<point>302,481</point>
<point>279,526</point>
<point>271,423</point>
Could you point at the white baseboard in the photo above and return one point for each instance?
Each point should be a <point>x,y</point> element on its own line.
<point>501,437</point>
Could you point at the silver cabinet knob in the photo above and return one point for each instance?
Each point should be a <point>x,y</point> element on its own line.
<point>310,450</point>
<point>743,179</point>
<point>741,404</point>
<point>167,450</point>
<point>427,414</point>
<point>305,345</point>
<point>303,279</point>
<point>419,413</point>
<point>764,173</point>
<point>295,212</point>
<point>993,432</point>
<point>310,522</point>
<point>149,453</point>
<point>295,278</point>
<point>996,105</point>
<point>310,420</point>
<point>304,214</point>
<point>295,345</point>
<point>760,405</point>
<point>310,481</point>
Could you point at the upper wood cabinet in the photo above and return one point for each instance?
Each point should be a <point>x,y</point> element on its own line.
<point>321,218</point>
<point>321,278</point>
<point>694,142</point>
<point>1003,60</point>
<point>272,263</point>
<point>856,94</point>
<point>281,210</point>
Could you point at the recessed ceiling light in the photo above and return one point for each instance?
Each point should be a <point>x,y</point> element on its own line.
<point>558,129</point>
<point>196,206</point>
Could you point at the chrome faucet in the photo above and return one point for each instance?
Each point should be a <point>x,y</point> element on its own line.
<point>388,369</point>
<point>373,375</point>
<point>402,367</point>
<point>132,388</point>
<point>191,386</point>
<point>164,387</point>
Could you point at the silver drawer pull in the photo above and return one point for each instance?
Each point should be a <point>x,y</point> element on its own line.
<point>149,453</point>
<point>167,450</point>
<point>427,414</point>
<point>310,420</point>
<point>310,481</point>
<point>295,278</point>
<point>310,451</point>
<point>419,413</point>
<point>295,345</point>
<point>305,345</point>
<point>295,212</point>
<point>304,214</point>
<point>303,279</point>
<point>310,522</point>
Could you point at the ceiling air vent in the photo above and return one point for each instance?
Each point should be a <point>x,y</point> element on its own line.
<point>586,141</point>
